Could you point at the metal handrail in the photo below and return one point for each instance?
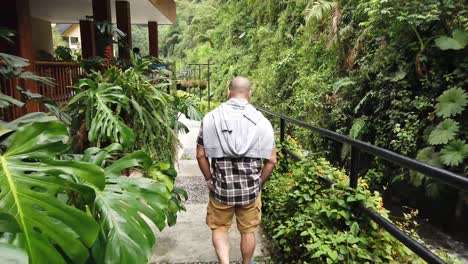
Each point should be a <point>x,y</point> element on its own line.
<point>445,176</point>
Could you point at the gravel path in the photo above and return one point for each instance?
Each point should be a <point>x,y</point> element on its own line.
<point>196,188</point>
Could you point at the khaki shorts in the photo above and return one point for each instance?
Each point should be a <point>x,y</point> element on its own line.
<point>248,216</point>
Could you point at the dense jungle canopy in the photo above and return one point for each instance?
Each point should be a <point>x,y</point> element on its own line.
<point>392,73</point>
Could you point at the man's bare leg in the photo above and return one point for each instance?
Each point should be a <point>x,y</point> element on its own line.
<point>247,247</point>
<point>221,245</point>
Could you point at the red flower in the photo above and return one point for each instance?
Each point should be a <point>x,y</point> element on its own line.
<point>108,54</point>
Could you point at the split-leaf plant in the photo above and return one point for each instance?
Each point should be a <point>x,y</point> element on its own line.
<point>76,208</point>
<point>116,100</point>
<point>60,207</point>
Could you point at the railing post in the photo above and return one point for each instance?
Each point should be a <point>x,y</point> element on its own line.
<point>209,95</point>
<point>282,129</point>
<point>354,171</point>
<point>199,80</point>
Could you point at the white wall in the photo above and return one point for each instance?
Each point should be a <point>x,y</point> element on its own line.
<point>41,35</point>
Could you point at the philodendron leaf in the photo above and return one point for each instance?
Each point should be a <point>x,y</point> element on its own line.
<point>454,153</point>
<point>452,102</point>
<point>126,236</point>
<point>103,103</point>
<point>444,132</point>
<point>458,41</point>
<point>106,123</point>
<point>31,181</point>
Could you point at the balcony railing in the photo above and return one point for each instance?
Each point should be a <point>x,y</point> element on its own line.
<point>64,74</point>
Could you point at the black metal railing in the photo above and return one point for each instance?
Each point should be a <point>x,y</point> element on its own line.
<point>357,147</point>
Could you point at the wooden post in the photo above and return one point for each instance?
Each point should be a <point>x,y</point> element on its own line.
<point>153,38</point>
<point>122,9</point>
<point>88,42</point>
<point>15,15</point>
<point>102,14</point>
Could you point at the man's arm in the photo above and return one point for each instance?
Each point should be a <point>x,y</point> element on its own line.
<point>204,165</point>
<point>268,166</point>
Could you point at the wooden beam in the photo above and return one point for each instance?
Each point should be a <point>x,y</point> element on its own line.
<point>153,38</point>
<point>167,8</point>
<point>122,9</point>
<point>88,41</point>
<point>102,14</point>
<point>15,15</point>
<point>102,10</point>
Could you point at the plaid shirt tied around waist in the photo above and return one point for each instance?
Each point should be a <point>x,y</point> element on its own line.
<point>236,181</point>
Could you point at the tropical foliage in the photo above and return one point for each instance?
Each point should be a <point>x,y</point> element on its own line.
<point>315,221</point>
<point>61,202</point>
<point>391,73</point>
<point>130,107</point>
<point>76,207</point>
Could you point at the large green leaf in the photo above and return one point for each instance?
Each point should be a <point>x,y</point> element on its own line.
<point>448,43</point>
<point>126,237</point>
<point>452,102</point>
<point>458,41</point>
<point>101,103</point>
<point>32,183</point>
<point>454,153</point>
<point>6,127</point>
<point>106,123</point>
<point>444,132</point>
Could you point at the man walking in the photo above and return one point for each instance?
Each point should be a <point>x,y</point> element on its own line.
<point>240,142</point>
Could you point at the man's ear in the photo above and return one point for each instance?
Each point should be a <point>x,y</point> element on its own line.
<point>250,93</point>
<point>228,93</point>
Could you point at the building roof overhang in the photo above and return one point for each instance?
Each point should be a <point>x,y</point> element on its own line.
<point>71,11</point>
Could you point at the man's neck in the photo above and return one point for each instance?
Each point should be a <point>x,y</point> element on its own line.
<point>239,97</point>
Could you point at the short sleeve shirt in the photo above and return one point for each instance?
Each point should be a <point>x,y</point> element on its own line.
<point>236,181</point>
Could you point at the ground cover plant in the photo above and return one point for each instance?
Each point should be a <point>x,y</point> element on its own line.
<point>311,221</point>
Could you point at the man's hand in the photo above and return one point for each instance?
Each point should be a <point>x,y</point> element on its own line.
<point>209,184</point>
<point>204,165</point>
<point>268,166</point>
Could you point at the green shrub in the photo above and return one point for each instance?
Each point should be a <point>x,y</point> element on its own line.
<point>311,222</point>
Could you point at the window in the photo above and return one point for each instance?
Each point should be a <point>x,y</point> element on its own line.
<point>74,40</point>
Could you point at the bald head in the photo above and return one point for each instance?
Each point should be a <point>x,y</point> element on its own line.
<point>239,87</point>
